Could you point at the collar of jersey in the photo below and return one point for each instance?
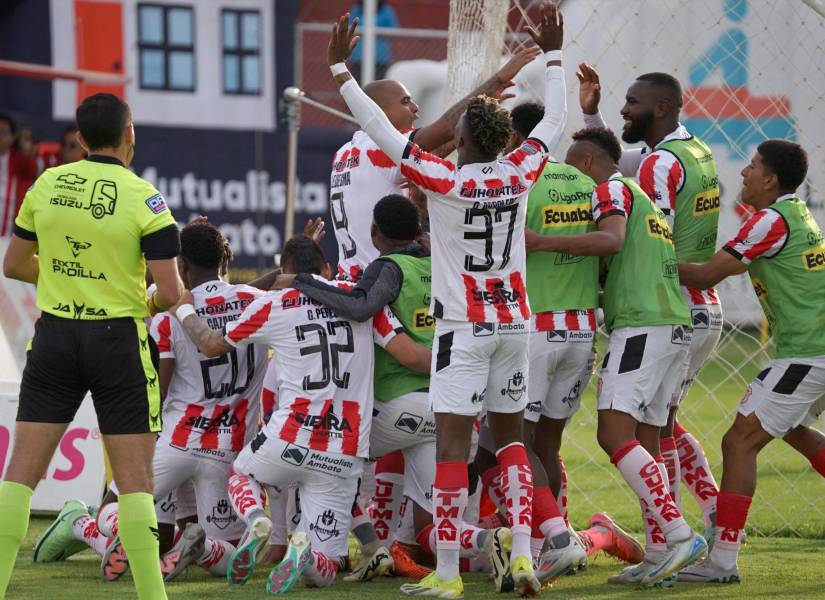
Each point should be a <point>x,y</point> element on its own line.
<point>680,133</point>
<point>219,282</point>
<point>784,197</point>
<point>109,160</point>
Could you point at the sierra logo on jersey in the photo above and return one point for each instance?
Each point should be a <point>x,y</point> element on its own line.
<point>559,215</point>
<point>707,202</point>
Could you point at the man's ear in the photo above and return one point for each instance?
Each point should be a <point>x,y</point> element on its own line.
<point>82,142</point>
<point>326,272</point>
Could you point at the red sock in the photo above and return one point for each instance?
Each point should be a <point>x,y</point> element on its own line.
<point>386,501</point>
<point>246,494</point>
<point>449,501</point>
<point>732,510</point>
<point>547,519</point>
<point>517,485</point>
<point>423,538</point>
<point>818,462</point>
<point>563,494</point>
<point>491,478</point>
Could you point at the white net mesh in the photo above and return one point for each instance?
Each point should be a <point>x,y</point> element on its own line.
<point>751,70</point>
<point>475,44</point>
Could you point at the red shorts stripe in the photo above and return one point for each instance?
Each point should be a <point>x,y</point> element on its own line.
<point>239,430</point>
<point>545,321</point>
<point>351,413</point>
<point>696,296</point>
<point>494,287</point>
<point>475,307</point>
<point>571,320</point>
<point>517,283</point>
<point>209,438</point>
<point>289,430</point>
<point>182,431</point>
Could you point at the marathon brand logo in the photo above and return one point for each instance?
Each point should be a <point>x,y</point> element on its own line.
<point>516,386</point>
<point>759,288</point>
<point>483,329</point>
<point>707,202</point>
<point>156,204</point>
<point>556,215</point>
<point>71,182</point>
<point>80,311</point>
<point>422,320</point>
<point>657,227</point>
<point>294,455</point>
<point>326,526</point>
<point>77,247</point>
<point>408,423</point>
<point>561,175</point>
<point>680,336</point>
<point>222,515</point>
<point>814,259</point>
<point>72,268</point>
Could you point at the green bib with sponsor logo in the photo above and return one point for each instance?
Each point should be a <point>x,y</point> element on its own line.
<point>642,285</point>
<point>560,204</point>
<point>392,379</point>
<point>790,285</point>
<point>697,203</point>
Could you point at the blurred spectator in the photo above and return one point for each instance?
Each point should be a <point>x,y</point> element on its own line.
<point>17,167</point>
<point>68,150</point>
<point>384,17</point>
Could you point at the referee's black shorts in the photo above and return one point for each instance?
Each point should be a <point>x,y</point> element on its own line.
<point>115,359</point>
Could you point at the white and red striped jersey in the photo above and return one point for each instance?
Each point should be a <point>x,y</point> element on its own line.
<point>211,403</point>
<point>325,369</point>
<point>362,174</point>
<point>565,320</point>
<point>477,213</point>
<point>269,395</point>
<point>763,235</point>
<point>611,197</point>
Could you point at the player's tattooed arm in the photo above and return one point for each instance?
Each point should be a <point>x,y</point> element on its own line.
<point>209,342</point>
<point>723,264</point>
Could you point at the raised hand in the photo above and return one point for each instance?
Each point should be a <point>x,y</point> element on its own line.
<point>315,229</point>
<point>342,40</point>
<point>517,62</point>
<point>590,89</point>
<point>550,35</point>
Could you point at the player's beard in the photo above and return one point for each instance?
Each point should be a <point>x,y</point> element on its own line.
<point>638,128</point>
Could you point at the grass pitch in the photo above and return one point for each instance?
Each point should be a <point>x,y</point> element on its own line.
<point>770,568</point>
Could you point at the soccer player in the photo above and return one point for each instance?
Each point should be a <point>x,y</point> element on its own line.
<point>362,173</point>
<point>479,299</point>
<point>95,227</point>
<point>782,250</point>
<point>648,323</point>
<point>678,172</point>
<point>318,435</point>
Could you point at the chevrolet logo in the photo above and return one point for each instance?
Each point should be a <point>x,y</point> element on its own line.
<point>71,179</point>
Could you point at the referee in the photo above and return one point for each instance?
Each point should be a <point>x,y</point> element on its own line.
<point>85,234</point>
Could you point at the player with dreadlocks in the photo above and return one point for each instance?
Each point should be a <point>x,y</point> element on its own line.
<point>479,300</point>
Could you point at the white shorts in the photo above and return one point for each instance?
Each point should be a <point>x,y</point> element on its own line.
<point>641,369</point>
<point>178,505</point>
<point>561,364</point>
<point>479,366</point>
<point>707,328</point>
<point>209,472</point>
<point>406,423</point>
<point>788,393</point>
<point>327,484</point>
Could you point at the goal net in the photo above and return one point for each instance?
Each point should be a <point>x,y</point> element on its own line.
<point>750,70</point>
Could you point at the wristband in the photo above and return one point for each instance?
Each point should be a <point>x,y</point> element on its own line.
<point>184,310</point>
<point>551,55</point>
<point>339,68</point>
<point>153,303</point>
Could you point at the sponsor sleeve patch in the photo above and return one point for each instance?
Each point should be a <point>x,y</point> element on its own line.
<point>156,204</point>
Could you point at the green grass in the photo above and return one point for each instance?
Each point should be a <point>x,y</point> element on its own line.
<point>781,567</point>
<point>789,492</point>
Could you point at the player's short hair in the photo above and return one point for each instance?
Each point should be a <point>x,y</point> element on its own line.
<point>602,137</point>
<point>488,124</point>
<point>10,121</point>
<point>203,245</point>
<point>525,117</point>
<point>101,119</point>
<point>666,81</point>
<point>304,255</point>
<point>787,160</point>
<point>396,217</point>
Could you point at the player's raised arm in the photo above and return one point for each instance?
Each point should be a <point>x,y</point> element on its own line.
<point>549,38</point>
<point>368,114</point>
<point>442,130</point>
<point>208,341</point>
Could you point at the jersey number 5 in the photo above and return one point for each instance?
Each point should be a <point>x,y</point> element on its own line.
<point>340,222</point>
<point>489,215</point>
<point>329,353</point>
